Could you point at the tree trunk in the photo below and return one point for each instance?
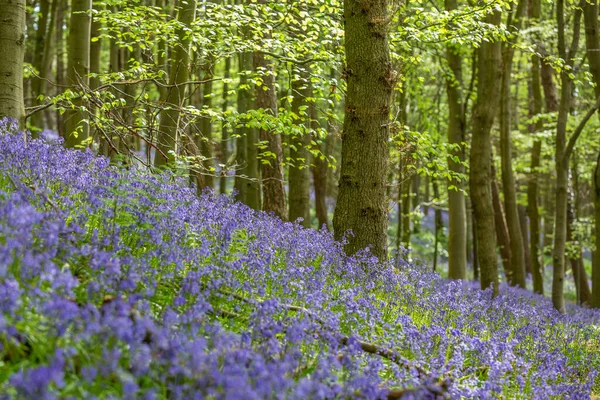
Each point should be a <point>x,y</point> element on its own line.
<point>95,52</point>
<point>438,224</point>
<point>508,178</point>
<point>362,203</point>
<point>502,233</point>
<point>41,59</point>
<point>481,197</point>
<point>416,200</point>
<point>224,129</point>
<point>319,172</point>
<point>582,287</point>
<point>271,165</point>
<point>204,140</point>
<point>174,96</point>
<point>457,231</point>
<point>562,157</point>
<point>525,236</point>
<point>535,108</point>
<point>298,173</point>
<point>592,42</point>
<point>406,210</point>
<point>596,260</point>
<point>78,68</point>
<point>60,60</point>
<point>12,48</point>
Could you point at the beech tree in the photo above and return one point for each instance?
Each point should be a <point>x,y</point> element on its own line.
<point>78,69</point>
<point>489,75</point>
<point>361,204</point>
<point>12,48</point>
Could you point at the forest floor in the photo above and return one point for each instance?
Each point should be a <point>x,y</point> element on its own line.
<point>114,282</point>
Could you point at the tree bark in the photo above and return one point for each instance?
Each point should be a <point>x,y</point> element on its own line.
<point>41,59</point>
<point>362,203</point>
<point>60,62</point>
<point>12,48</point>
<point>592,42</point>
<point>536,105</point>
<point>205,141</point>
<point>224,128</point>
<point>502,233</point>
<point>481,197</point>
<point>457,231</point>
<point>584,295</point>
<point>524,223</point>
<point>319,172</point>
<point>517,264</point>
<point>271,166</point>
<point>78,68</point>
<point>298,172</point>
<point>596,260</point>
<point>562,156</point>
<point>174,96</point>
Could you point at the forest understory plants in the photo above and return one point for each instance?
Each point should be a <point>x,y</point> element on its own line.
<point>115,283</point>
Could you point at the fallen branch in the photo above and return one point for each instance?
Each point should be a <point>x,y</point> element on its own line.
<point>367,347</point>
<point>437,389</point>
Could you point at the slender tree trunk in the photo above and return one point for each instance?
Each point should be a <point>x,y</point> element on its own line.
<point>502,233</point>
<point>41,59</point>
<point>525,236</point>
<point>247,179</point>
<point>562,157</point>
<point>78,68</point>
<point>362,203</point>
<point>517,264</point>
<point>60,57</point>
<point>592,42</point>
<point>533,206</point>
<point>438,224</point>
<point>481,196</point>
<point>12,50</point>
<point>476,268</point>
<point>204,140</point>
<point>174,96</point>
<point>584,295</point>
<point>224,129</point>
<point>319,172</point>
<point>596,259</point>
<point>272,166</point>
<point>406,210</point>
<point>457,231</point>
<point>416,200</point>
<point>95,50</point>
<point>299,179</point>
<point>241,161</point>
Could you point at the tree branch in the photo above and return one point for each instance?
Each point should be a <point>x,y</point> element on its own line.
<point>578,130</point>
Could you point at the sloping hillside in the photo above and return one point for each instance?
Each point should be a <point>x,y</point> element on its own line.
<point>120,284</point>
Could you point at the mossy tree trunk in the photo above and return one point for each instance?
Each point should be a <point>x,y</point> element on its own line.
<point>484,111</point>
<point>457,230</point>
<point>362,203</point>
<point>12,50</point>
<point>78,68</point>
